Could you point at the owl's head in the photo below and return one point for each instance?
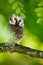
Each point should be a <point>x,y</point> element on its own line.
<point>16,20</point>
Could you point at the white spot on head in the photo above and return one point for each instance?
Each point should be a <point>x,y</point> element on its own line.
<point>21,23</point>
<point>12,21</point>
<point>17,18</point>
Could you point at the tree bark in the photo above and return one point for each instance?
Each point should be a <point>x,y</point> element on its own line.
<point>4,47</point>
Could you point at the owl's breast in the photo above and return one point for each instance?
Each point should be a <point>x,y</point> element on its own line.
<point>18,31</point>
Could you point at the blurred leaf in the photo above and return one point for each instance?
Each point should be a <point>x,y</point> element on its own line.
<point>5,34</point>
<point>32,12</point>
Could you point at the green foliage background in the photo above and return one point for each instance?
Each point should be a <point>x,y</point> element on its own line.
<point>32,11</point>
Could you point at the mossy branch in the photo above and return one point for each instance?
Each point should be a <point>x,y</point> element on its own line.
<point>4,47</point>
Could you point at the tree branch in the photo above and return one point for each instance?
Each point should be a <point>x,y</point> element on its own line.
<point>4,47</point>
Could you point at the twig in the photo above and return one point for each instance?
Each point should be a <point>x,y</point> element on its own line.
<point>21,49</point>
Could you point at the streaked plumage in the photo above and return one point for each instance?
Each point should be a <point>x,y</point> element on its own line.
<point>17,25</point>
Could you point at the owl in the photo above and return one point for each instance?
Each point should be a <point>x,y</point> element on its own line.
<point>16,23</point>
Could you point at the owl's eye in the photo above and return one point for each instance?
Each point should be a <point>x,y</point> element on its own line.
<point>12,20</point>
<point>21,22</point>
